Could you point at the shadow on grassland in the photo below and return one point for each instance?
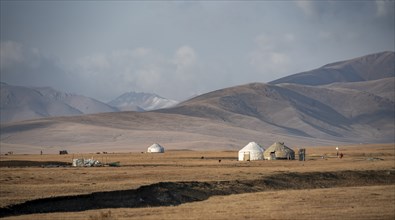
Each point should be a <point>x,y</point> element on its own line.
<point>176,193</point>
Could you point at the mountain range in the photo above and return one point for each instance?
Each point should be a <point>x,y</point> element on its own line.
<point>20,103</point>
<point>344,102</point>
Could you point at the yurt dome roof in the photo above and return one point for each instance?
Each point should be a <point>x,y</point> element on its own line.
<point>281,151</point>
<point>252,146</point>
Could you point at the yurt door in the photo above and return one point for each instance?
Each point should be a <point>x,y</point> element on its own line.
<point>246,156</point>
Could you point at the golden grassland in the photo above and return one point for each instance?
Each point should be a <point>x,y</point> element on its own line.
<point>19,184</point>
<point>372,202</point>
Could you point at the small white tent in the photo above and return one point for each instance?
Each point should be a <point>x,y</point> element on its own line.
<point>156,148</point>
<point>252,151</point>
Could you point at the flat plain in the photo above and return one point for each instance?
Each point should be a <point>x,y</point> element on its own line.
<point>29,177</point>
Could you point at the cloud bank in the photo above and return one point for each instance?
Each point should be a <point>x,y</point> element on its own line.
<point>178,49</point>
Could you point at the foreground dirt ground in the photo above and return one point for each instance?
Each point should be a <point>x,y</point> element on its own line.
<point>20,183</point>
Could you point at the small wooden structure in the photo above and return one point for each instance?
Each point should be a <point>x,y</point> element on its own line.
<point>246,156</point>
<point>61,152</point>
<point>302,154</point>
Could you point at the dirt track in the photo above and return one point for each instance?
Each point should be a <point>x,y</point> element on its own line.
<point>176,193</point>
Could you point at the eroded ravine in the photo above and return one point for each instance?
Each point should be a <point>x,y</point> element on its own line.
<point>176,193</point>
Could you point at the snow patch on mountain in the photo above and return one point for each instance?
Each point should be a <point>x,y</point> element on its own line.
<point>140,101</point>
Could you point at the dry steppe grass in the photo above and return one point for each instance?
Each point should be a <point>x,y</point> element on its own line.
<point>19,184</point>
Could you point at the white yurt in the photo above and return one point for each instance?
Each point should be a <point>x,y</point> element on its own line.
<point>252,151</point>
<point>155,148</point>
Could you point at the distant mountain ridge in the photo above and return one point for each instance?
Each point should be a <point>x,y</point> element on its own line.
<point>140,101</point>
<point>23,103</point>
<point>347,102</point>
<point>365,68</point>
<point>20,103</point>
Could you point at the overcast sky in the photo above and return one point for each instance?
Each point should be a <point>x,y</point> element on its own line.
<point>178,49</point>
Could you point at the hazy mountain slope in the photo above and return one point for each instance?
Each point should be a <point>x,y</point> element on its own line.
<point>350,103</point>
<point>22,103</point>
<point>136,101</point>
<point>303,110</point>
<point>135,131</point>
<point>357,111</point>
<point>370,67</point>
<point>384,88</point>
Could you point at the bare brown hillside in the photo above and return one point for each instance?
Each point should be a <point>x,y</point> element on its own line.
<point>131,131</point>
<point>365,68</point>
<point>384,88</point>
<point>342,112</point>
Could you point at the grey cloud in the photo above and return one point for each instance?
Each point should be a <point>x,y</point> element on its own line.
<point>14,54</point>
<point>350,12</point>
<point>141,69</point>
<point>272,54</point>
<point>176,49</point>
<point>22,65</point>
